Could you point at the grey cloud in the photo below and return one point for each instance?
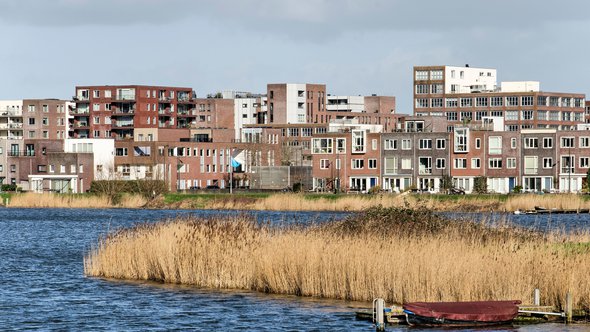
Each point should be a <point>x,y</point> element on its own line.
<point>295,16</point>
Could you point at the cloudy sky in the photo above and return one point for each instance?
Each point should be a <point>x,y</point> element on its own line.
<point>353,46</point>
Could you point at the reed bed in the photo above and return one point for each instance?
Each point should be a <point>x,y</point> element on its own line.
<point>561,201</point>
<point>393,253</point>
<point>34,200</point>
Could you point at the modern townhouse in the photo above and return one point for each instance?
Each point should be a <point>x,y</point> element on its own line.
<point>347,158</point>
<point>415,160</point>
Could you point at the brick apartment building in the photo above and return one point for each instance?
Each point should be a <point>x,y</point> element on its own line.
<point>117,111</point>
<point>465,94</point>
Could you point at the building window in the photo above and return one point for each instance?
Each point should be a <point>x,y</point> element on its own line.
<point>324,163</point>
<point>512,101</point>
<point>511,115</point>
<point>513,143</point>
<point>96,93</point>
<point>45,134</point>
<point>527,115</point>
<point>390,144</point>
<point>357,163</point>
<point>372,163</point>
<point>340,145</point>
<point>451,102</point>
<point>421,75</point>
<point>322,145</point>
<point>584,162</point>
<point>406,163</point>
<point>548,142</point>
<point>584,142</point>
<point>496,101</point>
<point>531,165</point>
<point>441,143</point>
<point>436,102</point>
<point>475,163</point>
<point>358,141</point>
<point>548,162</point>
<point>441,163</point>
<point>461,140</point>
<point>481,101</point>
<point>425,165</point>
<point>466,102</point>
<point>406,144</point>
<point>495,145</point>
<point>425,143</point>
<point>460,163</point>
<point>390,165</point>
<point>567,142</point>
<point>531,142</point>
<point>452,116</point>
<point>478,143</point>
<point>510,162</point>
<point>495,163</point>
<point>436,74</point>
<point>436,88</point>
<point>121,152</point>
<point>31,121</point>
<point>526,100</point>
<point>421,88</point>
<point>421,102</point>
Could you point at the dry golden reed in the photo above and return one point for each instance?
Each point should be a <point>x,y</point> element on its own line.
<point>47,200</point>
<point>394,253</point>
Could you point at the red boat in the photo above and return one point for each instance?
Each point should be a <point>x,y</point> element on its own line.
<point>461,314</point>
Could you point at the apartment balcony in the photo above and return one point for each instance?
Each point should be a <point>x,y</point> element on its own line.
<point>78,111</point>
<point>165,112</point>
<point>11,113</point>
<point>124,97</point>
<point>165,100</point>
<point>123,112</point>
<point>21,153</point>
<point>120,124</point>
<point>81,98</point>
<point>15,125</point>
<point>81,125</point>
<point>191,112</point>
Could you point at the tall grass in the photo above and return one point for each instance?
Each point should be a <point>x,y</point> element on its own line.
<point>34,200</point>
<point>394,253</point>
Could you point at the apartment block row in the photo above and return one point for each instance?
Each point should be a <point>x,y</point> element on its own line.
<point>465,125</point>
<point>359,159</point>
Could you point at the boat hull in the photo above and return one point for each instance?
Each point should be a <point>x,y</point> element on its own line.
<point>416,320</point>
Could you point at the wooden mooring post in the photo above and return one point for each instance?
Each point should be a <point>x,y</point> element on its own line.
<point>569,307</point>
<point>537,297</point>
<point>378,314</point>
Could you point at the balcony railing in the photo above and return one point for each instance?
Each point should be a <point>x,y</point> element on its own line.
<point>19,153</point>
<point>125,96</point>
<point>118,111</point>
<point>11,112</point>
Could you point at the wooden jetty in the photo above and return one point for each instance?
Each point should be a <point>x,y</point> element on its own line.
<point>542,210</point>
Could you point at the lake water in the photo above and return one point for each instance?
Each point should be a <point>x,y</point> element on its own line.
<point>42,286</point>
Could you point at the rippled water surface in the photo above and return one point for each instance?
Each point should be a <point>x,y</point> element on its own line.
<point>42,284</point>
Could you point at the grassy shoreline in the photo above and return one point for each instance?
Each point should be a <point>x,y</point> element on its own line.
<point>394,253</point>
<point>303,202</point>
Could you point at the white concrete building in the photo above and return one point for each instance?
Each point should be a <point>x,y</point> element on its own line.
<point>103,151</point>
